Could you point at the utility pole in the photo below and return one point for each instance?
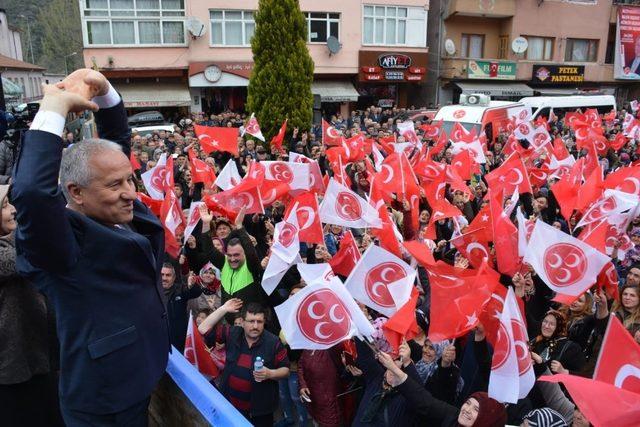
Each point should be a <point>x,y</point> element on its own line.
<point>26,18</point>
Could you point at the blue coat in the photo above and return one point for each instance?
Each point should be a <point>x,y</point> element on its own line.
<point>103,282</point>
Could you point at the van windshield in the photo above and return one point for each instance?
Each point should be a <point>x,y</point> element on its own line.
<point>447,126</point>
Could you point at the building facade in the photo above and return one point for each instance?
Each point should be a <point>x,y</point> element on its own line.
<point>513,48</point>
<point>196,55</point>
<point>22,80</point>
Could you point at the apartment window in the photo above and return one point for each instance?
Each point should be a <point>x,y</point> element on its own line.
<point>393,25</point>
<point>581,50</point>
<point>231,27</point>
<point>472,46</point>
<point>321,26</point>
<point>134,22</point>
<point>540,48</point>
<point>503,47</point>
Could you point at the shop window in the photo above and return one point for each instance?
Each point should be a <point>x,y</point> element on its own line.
<point>232,27</point>
<point>611,45</point>
<point>581,50</point>
<point>472,46</point>
<point>321,26</point>
<point>540,48</point>
<point>393,25</point>
<point>133,22</point>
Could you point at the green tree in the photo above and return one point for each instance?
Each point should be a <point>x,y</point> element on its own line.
<point>280,84</point>
<point>60,24</point>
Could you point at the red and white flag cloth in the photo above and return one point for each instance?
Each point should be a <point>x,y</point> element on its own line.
<point>345,260</point>
<point>196,352</point>
<point>320,316</point>
<point>408,131</point>
<point>295,174</point>
<point>370,279</point>
<point>229,176</point>
<point>154,179</point>
<point>619,359</point>
<point>330,135</point>
<point>634,105</point>
<point>171,217</point>
<point>275,271</point>
<point>562,167</point>
<point>520,114</point>
<point>200,170</point>
<point>612,202</point>
<point>252,128</point>
<point>245,194</point>
<point>566,264</point>
<point>341,206</point>
<point>286,242</point>
<point>217,138</point>
<point>312,273</point>
<point>626,179</point>
<point>306,206</point>
<point>192,219</point>
<point>524,130</point>
<point>316,184</point>
<point>525,228</point>
<point>512,374</point>
<point>474,147</point>
<point>277,140</point>
<point>510,176</point>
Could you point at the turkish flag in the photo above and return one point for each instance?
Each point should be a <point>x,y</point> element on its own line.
<point>330,135</point>
<point>196,352</point>
<point>355,147</point>
<point>388,235</point>
<point>602,404</point>
<point>512,374</point>
<point>245,194</point>
<point>590,190</point>
<point>200,171</point>
<point>320,316</point>
<point>403,324</point>
<point>511,176</point>
<point>505,237</point>
<point>619,141</point>
<point>341,206</point>
<point>464,165</point>
<point>277,140</point>
<point>270,191</point>
<point>560,149</point>
<point>432,131</point>
<point>460,134</point>
<point>430,170</point>
<point>472,246</point>
<point>371,277</point>
<point>458,296</point>
<point>440,145</point>
<point>566,264</point>
<point>217,139</point>
<point>440,209</point>
<point>482,224</point>
<point>308,217</point>
<point>421,252</point>
<point>608,280</point>
<point>135,164</point>
<point>566,189</point>
<point>345,260</point>
<point>619,360</point>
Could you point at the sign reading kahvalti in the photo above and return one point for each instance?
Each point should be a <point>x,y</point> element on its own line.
<point>557,74</point>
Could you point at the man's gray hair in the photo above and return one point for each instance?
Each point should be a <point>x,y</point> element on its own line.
<point>75,168</point>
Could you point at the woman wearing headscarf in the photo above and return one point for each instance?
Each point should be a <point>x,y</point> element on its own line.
<point>28,344</point>
<point>438,371</point>
<point>559,353</point>
<point>479,410</point>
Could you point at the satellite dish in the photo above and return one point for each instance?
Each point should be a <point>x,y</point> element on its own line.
<point>195,27</point>
<point>519,45</point>
<point>449,46</point>
<point>333,45</point>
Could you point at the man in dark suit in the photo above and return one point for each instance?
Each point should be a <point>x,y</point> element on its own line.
<point>97,256</point>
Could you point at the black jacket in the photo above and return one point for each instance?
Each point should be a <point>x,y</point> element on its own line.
<point>178,314</point>
<point>8,153</point>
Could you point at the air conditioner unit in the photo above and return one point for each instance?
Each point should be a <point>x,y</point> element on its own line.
<point>475,99</point>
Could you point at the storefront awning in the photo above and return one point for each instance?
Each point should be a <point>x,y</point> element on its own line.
<point>142,95</point>
<point>335,91</point>
<point>502,89</point>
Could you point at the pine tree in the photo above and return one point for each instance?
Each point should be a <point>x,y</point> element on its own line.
<point>280,84</point>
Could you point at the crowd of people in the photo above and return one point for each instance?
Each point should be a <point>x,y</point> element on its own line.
<point>216,277</point>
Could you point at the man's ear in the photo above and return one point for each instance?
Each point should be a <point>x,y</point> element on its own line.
<point>76,194</point>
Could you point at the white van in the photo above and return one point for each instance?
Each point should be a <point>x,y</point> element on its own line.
<point>559,105</point>
<point>489,116</point>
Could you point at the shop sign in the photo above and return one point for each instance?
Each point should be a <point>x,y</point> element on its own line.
<point>394,75</point>
<point>557,74</point>
<point>394,61</point>
<point>494,70</point>
<point>373,77</point>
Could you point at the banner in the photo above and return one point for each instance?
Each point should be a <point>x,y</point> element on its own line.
<point>627,59</point>
<point>557,74</point>
<point>495,70</point>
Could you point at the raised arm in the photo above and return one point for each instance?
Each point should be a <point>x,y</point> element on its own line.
<point>44,234</point>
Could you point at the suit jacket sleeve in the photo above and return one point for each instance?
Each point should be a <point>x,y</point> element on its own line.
<point>423,403</point>
<point>112,125</point>
<point>44,234</point>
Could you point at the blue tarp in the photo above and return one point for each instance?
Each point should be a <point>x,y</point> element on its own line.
<point>212,405</point>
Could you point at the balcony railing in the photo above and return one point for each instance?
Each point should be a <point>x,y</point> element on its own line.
<point>494,9</point>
